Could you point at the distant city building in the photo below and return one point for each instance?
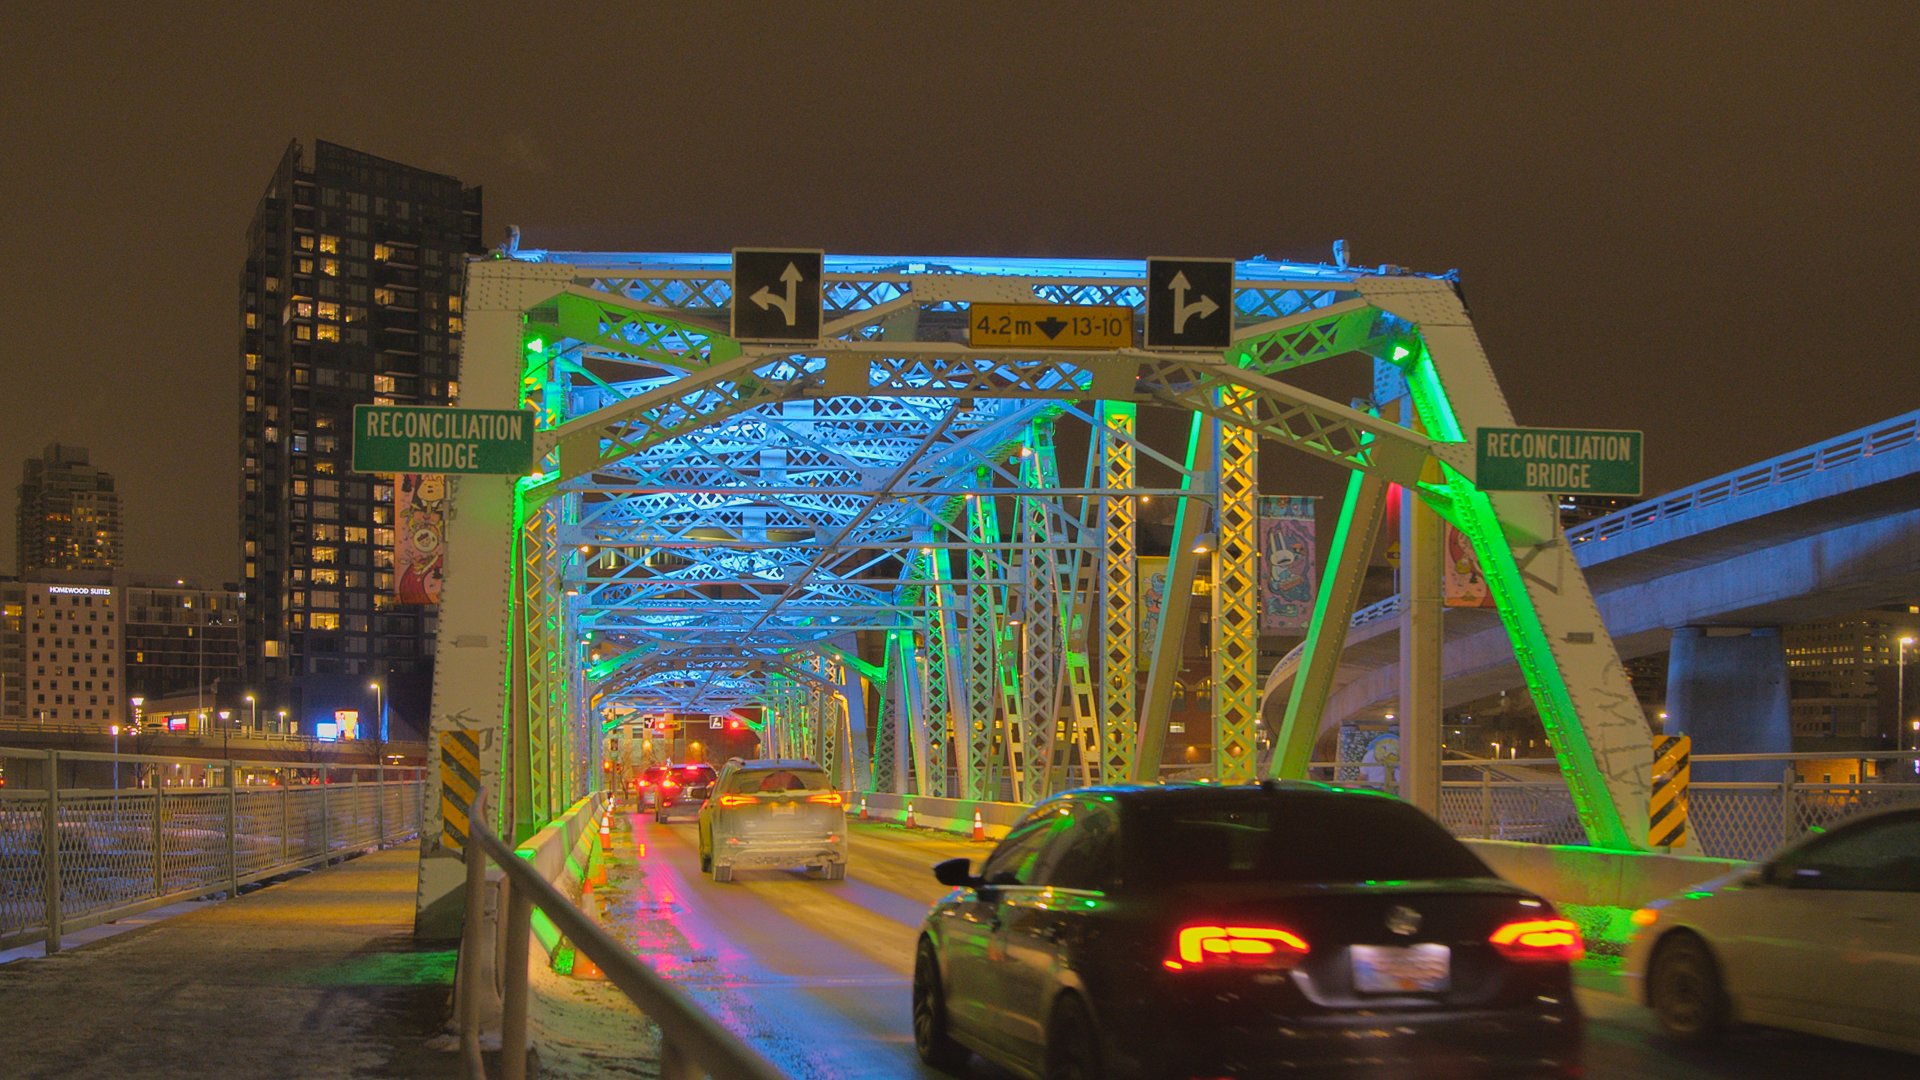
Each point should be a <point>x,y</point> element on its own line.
<point>1851,656</point>
<point>69,514</point>
<point>351,294</point>
<point>60,648</point>
<point>181,639</point>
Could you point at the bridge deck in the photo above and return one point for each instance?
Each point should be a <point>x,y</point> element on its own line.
<point>314,977</point>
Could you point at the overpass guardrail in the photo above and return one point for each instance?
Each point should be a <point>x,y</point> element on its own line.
<point>88,838</point>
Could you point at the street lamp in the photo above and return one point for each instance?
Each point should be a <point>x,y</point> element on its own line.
<point>116,771</point>
<point>253,713</point>
<point>283,721</point>
<point>1900,696</point>
<point>379,711</point>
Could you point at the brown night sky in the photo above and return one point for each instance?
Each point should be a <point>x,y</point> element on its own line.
<point>1696,223</point>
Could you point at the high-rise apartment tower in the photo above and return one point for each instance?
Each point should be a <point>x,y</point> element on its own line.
<point>69,514</point>
<point>351,294</point>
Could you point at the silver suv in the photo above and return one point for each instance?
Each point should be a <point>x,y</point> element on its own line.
<point>773,813</point>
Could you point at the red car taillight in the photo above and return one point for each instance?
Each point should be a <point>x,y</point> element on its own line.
<point>737,800</point>
<point>1538,939</point>
<point>830,799</point>
<point>1211,947</point>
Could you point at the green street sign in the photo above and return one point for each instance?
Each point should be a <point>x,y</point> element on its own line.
<point>442,439</point>
<point>1563,461</point>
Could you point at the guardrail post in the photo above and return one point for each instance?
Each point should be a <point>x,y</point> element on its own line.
<point>233,834</point>
<point>326,820</point>
<point>50,823</point>
<point>159,838</point>
<point>469,988</point>
<point>1789,819</point>
<point>1486,803</point>
<point>513,1020</point>
<point>286,819</point>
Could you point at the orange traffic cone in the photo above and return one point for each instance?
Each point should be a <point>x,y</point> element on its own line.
<point>979,826</point>
<point>863,808</point>
<point>909,815</point>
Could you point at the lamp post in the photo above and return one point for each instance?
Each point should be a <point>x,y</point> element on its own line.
<point>253,714</point>
<point>283,721</point>
<point>1900,694</point>
<point>226,731</point>
<point>379,711</point>
<point>116,772</point>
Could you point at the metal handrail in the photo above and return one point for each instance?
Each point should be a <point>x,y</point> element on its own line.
<point>692,1043</point>
<point>1788,467</point>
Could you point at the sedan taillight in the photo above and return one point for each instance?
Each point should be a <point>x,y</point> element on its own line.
<point>1212,947</point>
<point>1538,939</point>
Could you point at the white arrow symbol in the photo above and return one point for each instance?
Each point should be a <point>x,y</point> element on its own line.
<point>765,298</point>
<point>1182,311</point>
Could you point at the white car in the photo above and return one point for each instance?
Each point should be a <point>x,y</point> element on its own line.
<point>1823,939</point>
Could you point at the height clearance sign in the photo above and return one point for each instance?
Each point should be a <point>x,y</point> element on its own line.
<point>442,439</point>
<point>1564,461</point>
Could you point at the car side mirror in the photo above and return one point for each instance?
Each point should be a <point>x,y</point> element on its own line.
<point>957,873</point>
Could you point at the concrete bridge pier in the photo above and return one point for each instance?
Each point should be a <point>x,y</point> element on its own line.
<point>1727,687</point>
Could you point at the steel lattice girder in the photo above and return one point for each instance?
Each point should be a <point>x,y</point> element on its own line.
<point>639,341</point>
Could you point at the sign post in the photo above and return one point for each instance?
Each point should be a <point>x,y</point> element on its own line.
<point>1561,461</point>
<point>442,439</point>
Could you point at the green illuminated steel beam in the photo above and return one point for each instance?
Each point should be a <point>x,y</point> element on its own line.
<point>1586,703</point>
<point>1038,645</point>
<point>978,773</point>
<point>1189,525</point>
<point>1333,606</point>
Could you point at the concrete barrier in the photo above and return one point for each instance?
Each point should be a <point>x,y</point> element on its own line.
<point>560,853</point>
<point>1566,874</point>
<point>1562,873</point>
<point>947,815</point>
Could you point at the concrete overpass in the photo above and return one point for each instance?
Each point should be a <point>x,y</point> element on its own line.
<point>1821,531</point>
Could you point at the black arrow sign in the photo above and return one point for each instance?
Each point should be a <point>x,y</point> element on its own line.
<point>1050,326</point>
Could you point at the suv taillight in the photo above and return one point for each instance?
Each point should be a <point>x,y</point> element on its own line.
<point>1538,939</point>
<point>831,798</point>
<point>1212,947</point>
<point>738,800</point>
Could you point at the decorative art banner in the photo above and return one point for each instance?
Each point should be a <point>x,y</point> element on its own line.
<point>1289,567</point>
<point>1462,583</point>
<point>1150,592</point>
<point>419,536</point>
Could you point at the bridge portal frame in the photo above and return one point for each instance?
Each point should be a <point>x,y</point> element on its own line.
<point>1287,317</point>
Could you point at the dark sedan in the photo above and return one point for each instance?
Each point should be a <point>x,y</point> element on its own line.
<point>1279,929</point>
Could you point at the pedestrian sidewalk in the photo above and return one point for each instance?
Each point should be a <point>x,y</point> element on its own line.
<point>314,977</point>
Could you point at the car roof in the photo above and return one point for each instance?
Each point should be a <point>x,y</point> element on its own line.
<point>1190,793</point>
<point>761,764</point>
<point>680,765</point>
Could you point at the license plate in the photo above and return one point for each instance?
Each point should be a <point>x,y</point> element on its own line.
<point>785,808</point>
<point>1401,969</point>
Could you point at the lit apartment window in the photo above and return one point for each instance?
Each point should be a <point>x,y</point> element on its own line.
<point>325,620</point>
<point>329,245</point>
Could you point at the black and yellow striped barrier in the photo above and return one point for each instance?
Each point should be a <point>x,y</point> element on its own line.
<point>459,781</point>
<point>1672,769</point>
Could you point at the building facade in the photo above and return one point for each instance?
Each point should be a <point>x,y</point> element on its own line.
<point>60,648</point>
<point>351,294</point>
<point>181,640</point>
<point>69,516</point>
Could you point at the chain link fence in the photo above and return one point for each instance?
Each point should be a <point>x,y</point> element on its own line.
<point>1512,800</point>
<point>88,838</point>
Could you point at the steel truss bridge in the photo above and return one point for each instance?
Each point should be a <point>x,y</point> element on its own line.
<point>868,543</point>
